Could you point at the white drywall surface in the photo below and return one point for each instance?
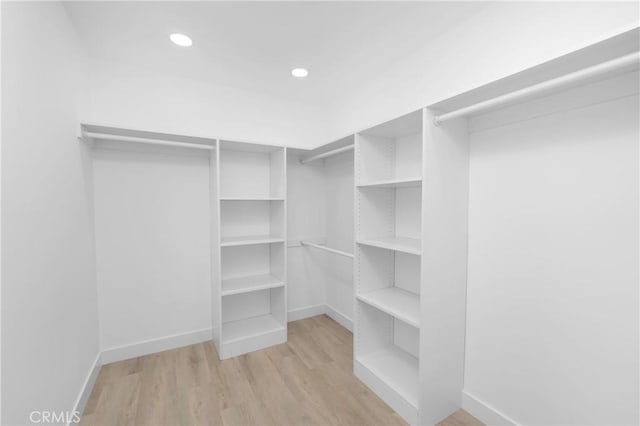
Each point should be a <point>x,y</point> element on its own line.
<point>49,301</point>
<point>552,314</point>
<point>339,224</point>
<point>153,246</point>
<point>501,39</point>
<point>127,96</point>
<point>306,204</point>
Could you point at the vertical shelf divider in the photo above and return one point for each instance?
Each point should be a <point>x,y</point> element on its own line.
<point>443,304</point>
<point>216,271</point>
<point>285,311</point>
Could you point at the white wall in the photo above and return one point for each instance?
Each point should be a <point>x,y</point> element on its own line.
<point>1,133</point>
<point>306,204</point>
<point>552,308</point>
<point>338,172</point>
<point>49,302</point>
<point>503,38</point>
<point>153,246</point>
<point>150,100</point>
<point>320,205</point>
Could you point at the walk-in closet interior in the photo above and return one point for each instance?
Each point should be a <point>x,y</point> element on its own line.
<point>434,222</point>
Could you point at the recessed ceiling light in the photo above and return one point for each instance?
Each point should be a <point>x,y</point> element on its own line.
<point>181,40</point>
<point>299,72</point>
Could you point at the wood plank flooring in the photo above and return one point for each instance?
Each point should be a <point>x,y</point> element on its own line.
<point>306,381</point>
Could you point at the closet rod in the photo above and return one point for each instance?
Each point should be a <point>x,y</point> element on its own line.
<point>107,137</point>
<point>325,248</point>
<point>565,80</point>
<point>327,154</point>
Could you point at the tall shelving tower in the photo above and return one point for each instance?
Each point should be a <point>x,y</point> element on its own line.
<point>249,237</point>
<point>411,199</point>
<point>387,270</point>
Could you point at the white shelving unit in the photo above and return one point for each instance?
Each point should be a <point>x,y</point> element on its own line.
<point>387,272</point>
<point>249,205</point>
<point>249,240</point>
<point>401,244</point>
<point>250,283</point>
<point>397,369</point>
<point>399,303</point>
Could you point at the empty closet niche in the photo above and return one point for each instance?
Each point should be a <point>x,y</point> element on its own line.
<point>245,222</point>
<point>390,155</point>
<point>389,184</point>
<point>387,359</point>
<point>390,281</point>
<point>251,172</point>
<point>252,320</point>
<point>253,298</point>
<point>252,268</point>
<point>390,218</point>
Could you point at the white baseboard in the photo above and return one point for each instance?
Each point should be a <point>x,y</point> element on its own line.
<point>306,312</point>
<point>484,412</point>
<point>147,347</point>
<point>88,384</point>
<point>339,317</point>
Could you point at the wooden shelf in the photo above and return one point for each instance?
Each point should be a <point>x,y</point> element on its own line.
<point>393,183</point>
<point>401,244</point>
<point>250,327</point>
<point>397,369</point>
<point>401,304</point>
<point>251,199</point>
<point>250,240</point>
<point>251,283</point>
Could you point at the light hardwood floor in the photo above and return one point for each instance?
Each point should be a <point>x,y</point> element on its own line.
<point>306,381</point>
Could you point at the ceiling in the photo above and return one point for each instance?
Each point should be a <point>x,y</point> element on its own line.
<point>254,45</point>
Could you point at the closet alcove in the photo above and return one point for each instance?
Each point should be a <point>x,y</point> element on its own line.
<point>386,230</point>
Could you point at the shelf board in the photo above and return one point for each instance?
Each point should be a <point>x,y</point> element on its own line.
<point>251,283</point>
<point>397,369</point>
<point>401,244</point>
<point>251,199</point>
<point>393,183</point>
<point>246,146</point>
<point>250,240</point>
<point>233,331</point>
<point>401,304</point>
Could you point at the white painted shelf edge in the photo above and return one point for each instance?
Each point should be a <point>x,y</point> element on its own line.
<point>401,304</point>
<point>250,240</point>
<point>248,328</point>
<point>393,183</point>
<point>398,369</point>
<point>401,244</point>
<point>251,199</point>
<point>239,285</point>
